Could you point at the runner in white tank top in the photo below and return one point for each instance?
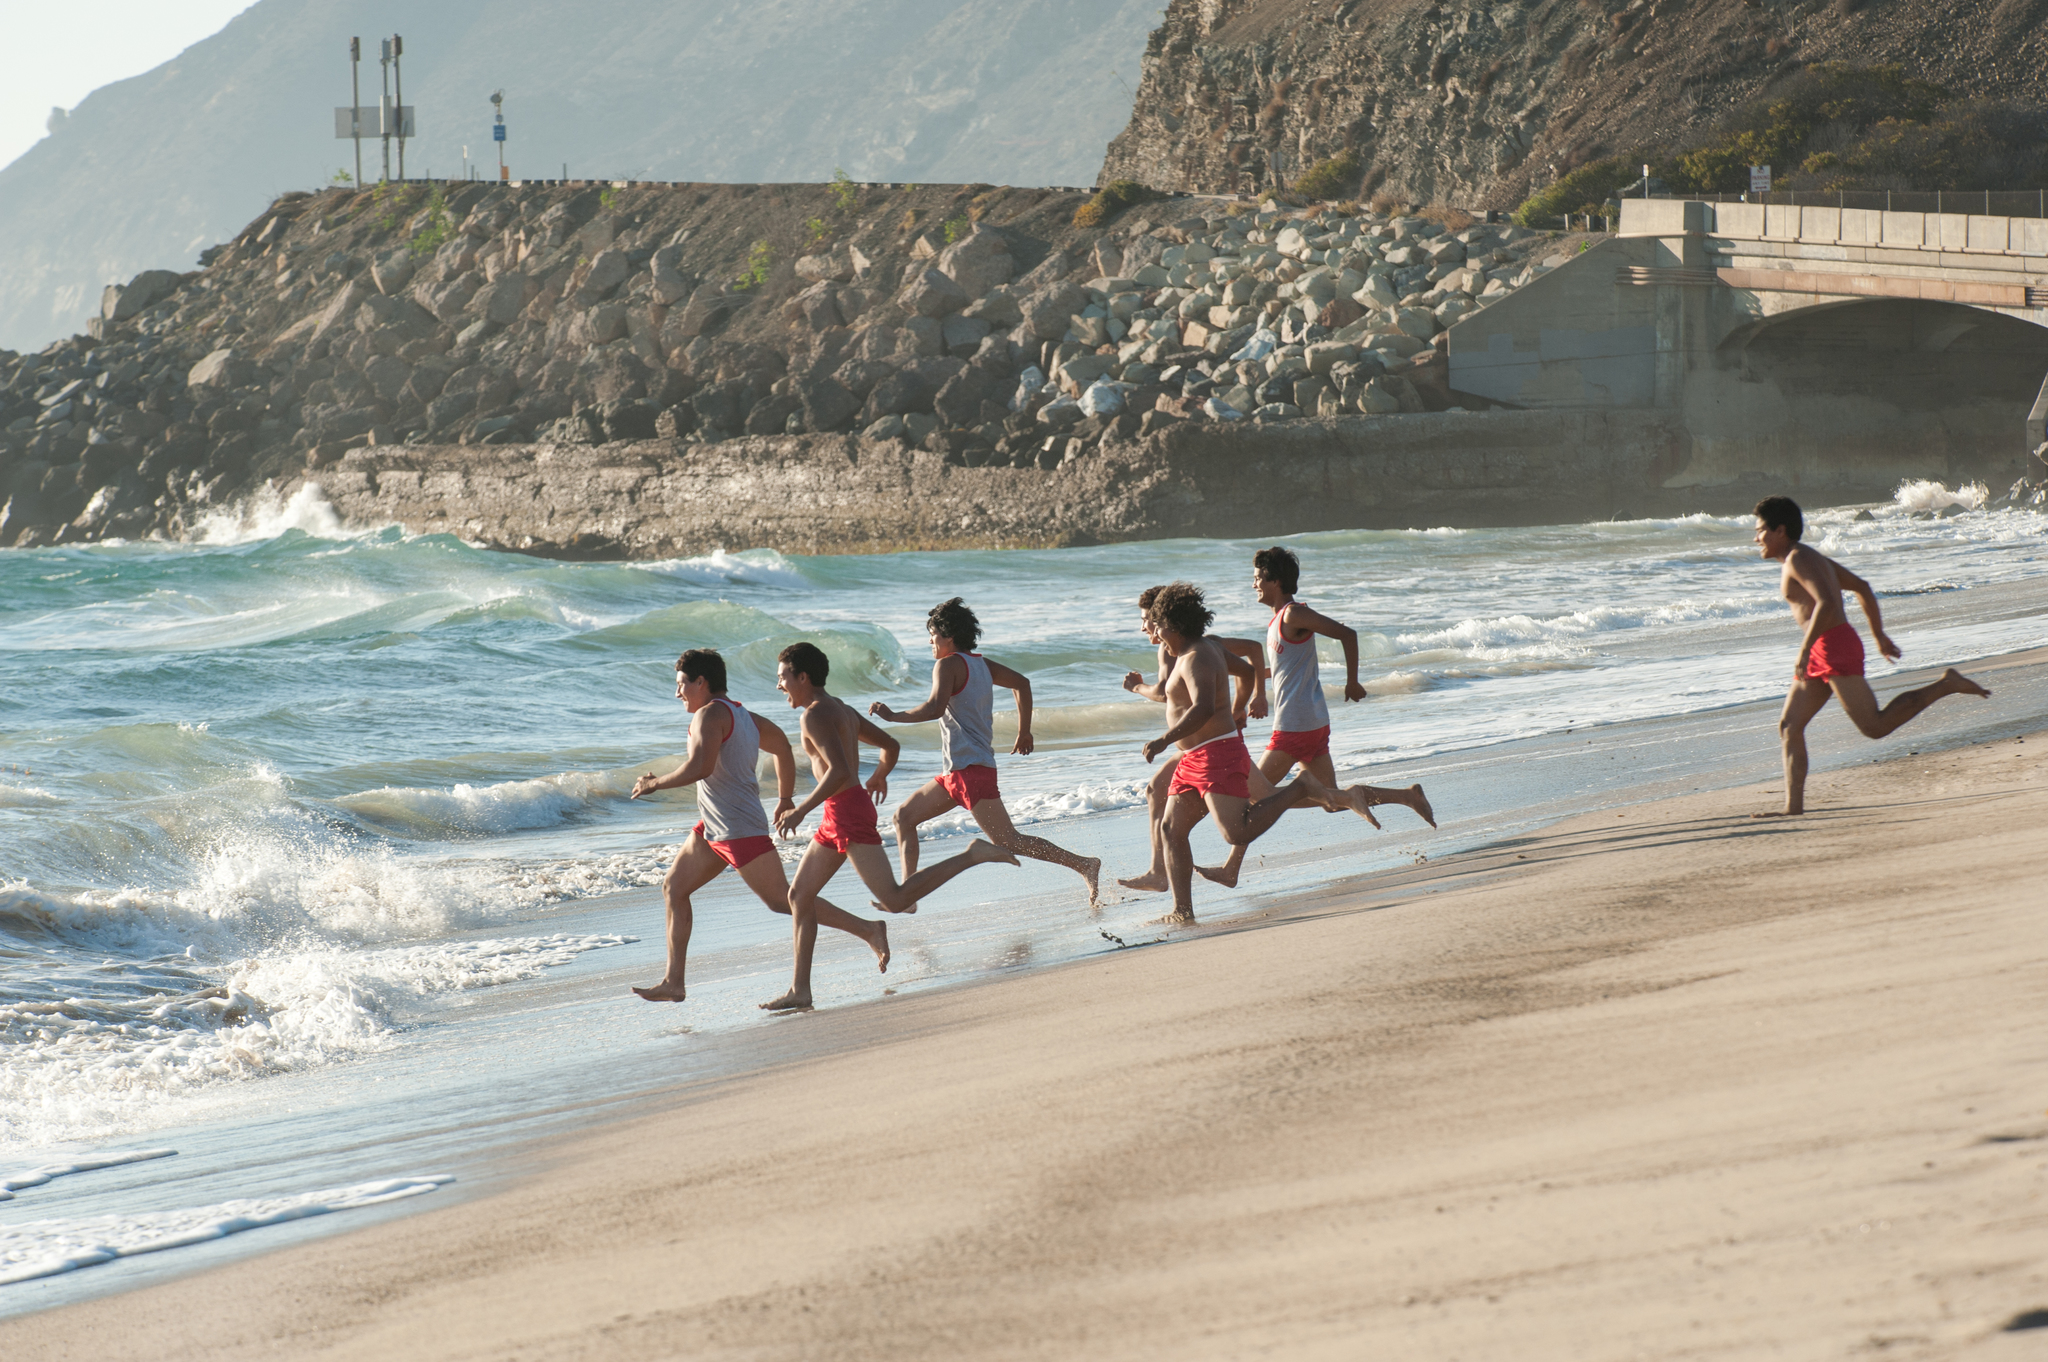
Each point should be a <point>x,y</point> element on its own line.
<point>962,699</point>
<point>1301,716</point>
<point>733,830</point>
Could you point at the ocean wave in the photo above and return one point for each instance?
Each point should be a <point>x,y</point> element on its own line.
<point>265,514</point>
<point>749,567</point>
<point>103,1051</point>
<point>1921,494</point>
<point>44,1248</point>
<point>1518,637</point>
<point>474,811</point>
<point>90,1163</point>
<point>26,797</point>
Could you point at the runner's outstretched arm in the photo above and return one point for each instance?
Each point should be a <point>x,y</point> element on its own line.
<point>708,727</point>
<point>878,783</point>
<point>1867,594</point>
<point>947,678</point>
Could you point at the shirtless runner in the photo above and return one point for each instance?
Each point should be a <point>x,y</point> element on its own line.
<point>963,701</point>
<point>1301,717</point>
<point>832,732</point>
<point>1830,658</point>
<point>1214,765</point>
<point>722,761</point>
<point>1247,662</point>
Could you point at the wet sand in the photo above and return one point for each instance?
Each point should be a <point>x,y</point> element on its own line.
<point>1665,1083</point>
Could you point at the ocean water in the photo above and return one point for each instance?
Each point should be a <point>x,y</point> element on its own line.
<point>316,864</point>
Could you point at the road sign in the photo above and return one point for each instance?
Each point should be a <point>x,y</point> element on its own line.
<point>371,124</point>
<point>1759,179</point>
<point>498,132</point>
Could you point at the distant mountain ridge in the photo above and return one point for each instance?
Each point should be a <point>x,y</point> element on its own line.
<point>146,172</point>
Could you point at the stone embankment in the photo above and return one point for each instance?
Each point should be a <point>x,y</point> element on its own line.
<point>972,323</point>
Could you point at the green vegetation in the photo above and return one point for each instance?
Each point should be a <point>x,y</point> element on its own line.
<point>818,228</point>
<point>1332,178</point>
<point>609,199</point>
<point>760,260</point>
<point>440,225</point>
<point>343,176</point>
<point>957,228</point>
<point>1112,199</point>
<point>1830,127</point>
<point>844,191</point>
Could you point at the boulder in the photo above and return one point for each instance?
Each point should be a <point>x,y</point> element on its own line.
<point>501,303</point>
<point>224,368</point>
<point>959,401</point>
<point>900,394</point>
<point>720,408</point>
<point>1050,311</point>
<point>929,293</point>
<point>1324,356</point>
<point>1077,373</point>
<point>978,261</point>
<point>121,301</point>
<point>601,278</point>
<point>827,404</point>
<point>1151,276</point>
<point>387,376</point>
<point>962,335</point>
<point>999,309</point>
<point>1417,322</point>
<point>391,272</point>
<point>771,414</point>
<point>922,336</point>
<point>831,266</point>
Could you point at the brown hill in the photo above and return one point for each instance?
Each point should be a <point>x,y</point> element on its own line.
<point>1480,104</point>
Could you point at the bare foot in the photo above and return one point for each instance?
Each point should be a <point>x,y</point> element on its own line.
<point>1419,802</point>
<point>1360,803</point>
<point>1176,919</point>
<point>663,992</point>
<point>1221,874</point>
<point>1781,813</point>
<point>1147,883</point>
<point>1958,684</point>
<point>1091,871</point>
<point>880,946</point>
<point>988,853</point>
<point>791,1001</point>
<point>882,907</point>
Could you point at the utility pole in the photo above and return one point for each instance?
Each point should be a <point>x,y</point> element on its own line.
<point>384,112</point>
<point>398,82</point>
<point>355,101</point>
<point>498,132</point>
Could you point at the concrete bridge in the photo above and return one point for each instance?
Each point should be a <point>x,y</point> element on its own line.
<point>1830,350</point>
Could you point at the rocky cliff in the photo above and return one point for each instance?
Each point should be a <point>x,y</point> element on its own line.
<point>974,323</point>
<point>146,172</point>
<point>1473,103</point>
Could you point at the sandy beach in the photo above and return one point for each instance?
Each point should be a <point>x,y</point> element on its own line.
<point>1665,1083</point>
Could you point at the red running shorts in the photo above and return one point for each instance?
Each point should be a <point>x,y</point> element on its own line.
<point>970,785</point>
<point>1838,652</point>
<point>848,820</point>
<point>739,850</point>
<point>1304,747</point>
<point>1222,765</point>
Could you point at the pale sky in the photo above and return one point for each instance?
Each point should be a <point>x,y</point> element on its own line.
<point>54,55</point>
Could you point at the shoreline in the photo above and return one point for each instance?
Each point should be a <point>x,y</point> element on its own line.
<point>1263,1114</point>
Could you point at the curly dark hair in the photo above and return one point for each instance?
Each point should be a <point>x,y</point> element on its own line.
<point>1179,607</point>
<point>807,658</point>
<point>1781,513</point>
<point>952,619</point>
<point>1278,565</point>
<point>1147,596</point>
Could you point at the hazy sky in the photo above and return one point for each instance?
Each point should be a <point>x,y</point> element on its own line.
<point>54,55</point>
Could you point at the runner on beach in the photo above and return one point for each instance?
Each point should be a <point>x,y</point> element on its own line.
<point>1214,765</point>
<point>1247,661</point>
<point>832,732</point>
<point>1301,716</point>
<point>963,701</point>
<point>1830,658</point>
<point>723,762</point>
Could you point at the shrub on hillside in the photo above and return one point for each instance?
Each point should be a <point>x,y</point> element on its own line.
<point>1112,199</point>
<point>1331,179</point>
<point>1582,191</point>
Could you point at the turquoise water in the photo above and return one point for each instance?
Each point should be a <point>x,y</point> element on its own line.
<point>319,840</point>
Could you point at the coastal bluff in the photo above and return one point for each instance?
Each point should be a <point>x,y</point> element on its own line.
<point>846,494</point>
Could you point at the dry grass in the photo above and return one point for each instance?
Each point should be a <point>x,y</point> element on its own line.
<point>1384,203</point>
<point>1449,218</point>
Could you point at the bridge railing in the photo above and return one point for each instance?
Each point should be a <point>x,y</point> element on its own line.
<point>1965,233</point>
<point>2018,203</point>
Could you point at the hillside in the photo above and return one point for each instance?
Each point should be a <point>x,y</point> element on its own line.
<point>147,172</point>
<point>1479,104</point>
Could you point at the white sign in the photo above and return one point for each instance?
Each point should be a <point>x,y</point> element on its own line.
<point>367,122</point>
<point>1759,179</point>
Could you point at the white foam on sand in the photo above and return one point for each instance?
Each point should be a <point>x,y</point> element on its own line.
<point>36,1177</point>
<point>44,1248</point>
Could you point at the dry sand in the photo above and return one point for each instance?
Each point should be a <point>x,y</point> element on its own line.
<point>1667,1084</point>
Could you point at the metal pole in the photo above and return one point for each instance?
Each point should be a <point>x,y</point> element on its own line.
<point>384,107</point>
<point>355,101</point>
<point>398,83</point>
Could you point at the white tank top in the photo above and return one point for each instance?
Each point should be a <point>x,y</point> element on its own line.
<point>1298,705</point>
<point>729,799</point>
<point>967,728</point>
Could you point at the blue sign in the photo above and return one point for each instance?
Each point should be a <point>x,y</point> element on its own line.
<point>498,132</point>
